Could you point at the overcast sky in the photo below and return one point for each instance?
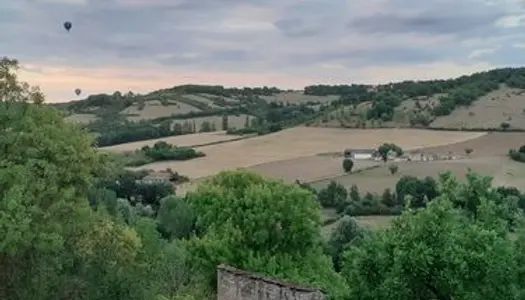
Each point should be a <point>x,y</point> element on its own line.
<point>142,45</point>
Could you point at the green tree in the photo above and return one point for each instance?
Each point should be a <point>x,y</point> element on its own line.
<point>334,195</point>
<point>354,193</point>
<point>437,253</point>
<point>261,225</point>
<point>346,234</point>
<point>54,246</point>
<point>175,218</point>
<point>224,122</point>
<point>348,164</point>
<point>393,168</point>
<point>386,148</point>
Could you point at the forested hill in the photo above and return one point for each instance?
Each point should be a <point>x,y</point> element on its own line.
<point>486,100</point>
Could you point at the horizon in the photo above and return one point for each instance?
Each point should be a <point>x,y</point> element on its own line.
<point>142,46</point>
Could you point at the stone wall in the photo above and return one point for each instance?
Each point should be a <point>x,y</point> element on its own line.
<point>234,284</point>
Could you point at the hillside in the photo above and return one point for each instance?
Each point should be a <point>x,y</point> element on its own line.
<point>489,100</point>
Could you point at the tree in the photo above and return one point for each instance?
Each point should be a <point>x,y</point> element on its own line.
<point>346,234</point>
<point>385,149</point>
<point>468,151</point>
<point>348,164</point>
<point>437,253</point>
<point>393,168</point>
<point>54,246</point>
<point>419,190</point>
<point>261,225</point>
<point>388,199</point>
<point>354,193</point>
<point>334,195</point>
<point>224,122</point>
<point>504,125</point>
<point>175,218</point>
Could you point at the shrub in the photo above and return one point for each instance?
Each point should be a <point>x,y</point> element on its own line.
<point>348,164</point>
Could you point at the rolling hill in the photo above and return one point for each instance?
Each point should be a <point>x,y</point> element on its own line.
<point>491,100</point>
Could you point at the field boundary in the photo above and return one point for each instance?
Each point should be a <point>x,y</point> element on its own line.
<point>342,175</point>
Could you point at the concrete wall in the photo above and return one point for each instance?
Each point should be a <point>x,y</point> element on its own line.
<point>234,284</point>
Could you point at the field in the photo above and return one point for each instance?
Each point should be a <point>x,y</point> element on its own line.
<point>187,140</point>
<point>303,142</point>
<point>299,98</point>
<point>504,105</point>
<point>154,109</point>
<point>489,158</point>
<point>81,118</point>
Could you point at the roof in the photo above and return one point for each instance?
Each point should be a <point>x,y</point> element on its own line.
<point>235,271</point>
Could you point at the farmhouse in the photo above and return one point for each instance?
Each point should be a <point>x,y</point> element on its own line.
<point>360,153</point>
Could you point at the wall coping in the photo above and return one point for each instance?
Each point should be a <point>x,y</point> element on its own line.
<point>266,279</point>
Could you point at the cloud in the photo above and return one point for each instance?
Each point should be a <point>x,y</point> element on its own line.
<point>146,44</point>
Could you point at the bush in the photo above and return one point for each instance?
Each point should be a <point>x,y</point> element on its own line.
<point>348,164</point>
<point>164,151</point>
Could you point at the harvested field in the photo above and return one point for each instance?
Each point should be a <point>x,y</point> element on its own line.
<point>503,105</point>
<point>491,144</point>
<point>308,168</point>
<point>378,179</point>
<point>370,222</point>
<point>187,140</point>
<point>304,141</point>
<point>153,110</point>
<point>233,121</point>
<point>82,118</point>
<point>299,98</point>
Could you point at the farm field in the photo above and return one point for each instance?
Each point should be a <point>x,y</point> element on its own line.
<point>154,109</point>
<point>301,142</point>
<point>187,140</point>
<point>308,168</point>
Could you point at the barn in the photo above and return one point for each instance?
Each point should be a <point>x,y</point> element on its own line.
<point>360,153</point>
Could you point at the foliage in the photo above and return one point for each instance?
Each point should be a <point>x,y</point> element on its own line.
<point>164,151</point>
<point>438,253</point>
<point>348,164</point>
<point>518,155</point>
<point>419,190</point>
<point>386,148</point>
<point>333,196</point>
<point>393,168</point>
<point>346,234</point>
<point>260,225</point>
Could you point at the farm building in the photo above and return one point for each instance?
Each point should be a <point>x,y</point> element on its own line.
<point>360,153</point>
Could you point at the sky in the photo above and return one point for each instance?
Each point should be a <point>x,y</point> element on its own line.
<point>143,45</point>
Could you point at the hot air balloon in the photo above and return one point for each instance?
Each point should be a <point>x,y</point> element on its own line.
<point>68,25</point>
<point>78,91</point>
